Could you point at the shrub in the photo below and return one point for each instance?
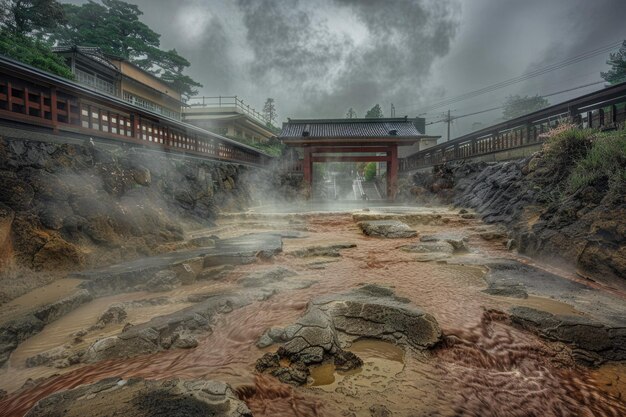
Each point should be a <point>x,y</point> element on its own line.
<point>370,171</point>
<point>604,162</point>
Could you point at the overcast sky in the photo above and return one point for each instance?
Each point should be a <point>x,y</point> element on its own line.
<point>317,58</point>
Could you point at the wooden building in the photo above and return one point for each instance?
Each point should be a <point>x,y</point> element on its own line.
<point>121,78</point>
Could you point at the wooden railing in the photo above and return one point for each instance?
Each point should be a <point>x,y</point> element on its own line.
<point>33,97</point>
<point>604,109</point>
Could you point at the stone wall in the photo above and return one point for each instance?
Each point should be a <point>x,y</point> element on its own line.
<point>68,206</point>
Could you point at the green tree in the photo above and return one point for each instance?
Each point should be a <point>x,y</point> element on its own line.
<point>351,114</point>
<point>516,106</point>
<point>23,25</point>
<point>115,27</point>
<point>374,113</point>
<point>30,17</point>
<point>33,52</point>
<point>370,171</point>
<point>617,61</point>
<point>269,111</point>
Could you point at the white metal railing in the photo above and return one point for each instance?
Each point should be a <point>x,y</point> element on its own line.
<point>226,101</point>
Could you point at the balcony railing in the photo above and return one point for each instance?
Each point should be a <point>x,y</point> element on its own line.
<point>227,101</point>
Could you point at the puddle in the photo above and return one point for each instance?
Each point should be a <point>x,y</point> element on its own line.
<point>381,362</point>
<point>549,305</point>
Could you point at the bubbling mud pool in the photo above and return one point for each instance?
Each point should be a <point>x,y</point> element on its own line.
<point>485,366</point>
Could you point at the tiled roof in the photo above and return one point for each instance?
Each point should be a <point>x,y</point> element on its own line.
<point>89,51</point>
<point>349,128</point>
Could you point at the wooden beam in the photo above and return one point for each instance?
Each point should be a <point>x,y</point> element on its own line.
<point>351,149</point>
<point>346,158</point>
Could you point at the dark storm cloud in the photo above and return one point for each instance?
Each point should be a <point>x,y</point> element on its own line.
<point>405,37</point>
<point>287,42</point>
<point>329,70</point>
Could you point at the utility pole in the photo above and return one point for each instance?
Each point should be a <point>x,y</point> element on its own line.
<point>449,120</point>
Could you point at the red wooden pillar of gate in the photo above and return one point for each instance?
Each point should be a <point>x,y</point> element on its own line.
<point>308,171</point>
<point>392,173</point>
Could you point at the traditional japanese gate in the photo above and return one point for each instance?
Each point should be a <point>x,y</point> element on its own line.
<point>352,140</point>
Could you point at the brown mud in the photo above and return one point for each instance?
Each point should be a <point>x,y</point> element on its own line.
<point>485,366</point>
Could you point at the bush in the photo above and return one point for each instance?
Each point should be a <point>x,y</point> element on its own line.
<point>604,162</point>
<point>565,148</point>
<point>370,171</point>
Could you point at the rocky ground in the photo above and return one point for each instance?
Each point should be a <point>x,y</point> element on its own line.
<point>538,199</point>
<point>69,207</point>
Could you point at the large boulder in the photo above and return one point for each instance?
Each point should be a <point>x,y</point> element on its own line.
<point>333,322</point>
<point>144,398</point>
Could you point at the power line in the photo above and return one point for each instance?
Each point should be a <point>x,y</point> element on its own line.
<point>525,76</point>
<point>447,118</point>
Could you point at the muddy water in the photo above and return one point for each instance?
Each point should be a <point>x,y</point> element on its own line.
<point>485,367</point>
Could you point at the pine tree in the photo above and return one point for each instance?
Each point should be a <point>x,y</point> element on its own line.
<point>351,114</point>
<point>269,111</point>
<point>617,61</point>
<point>374,113</point>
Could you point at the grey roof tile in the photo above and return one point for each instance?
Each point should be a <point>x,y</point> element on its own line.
<point>349,128</point>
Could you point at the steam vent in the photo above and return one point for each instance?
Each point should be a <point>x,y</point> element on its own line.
<point>312,209</point>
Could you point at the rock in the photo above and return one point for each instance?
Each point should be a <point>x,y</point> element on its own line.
<point>57,357</point>
<point>142,175</point>
<point>513,291</point>
<point>597,341</point>
<point>429,247</point>
<point>163,281</point>
<point>374,311</point>
<point>184,341</point>
<point>57,253</point>
<point>15,193</point>
<point>50,312</point>
<point>214,273</point>
<point>144,398</point>
<point>186,271</point>
<point>331,251</point>
<point>116,313</point>
<point>458,241</point>
<point>16,331</point>
<point>265,277</point>
<point>367,312</point>
<point>392,229</point>
<point>379,410</point>
<point>161,332</point>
